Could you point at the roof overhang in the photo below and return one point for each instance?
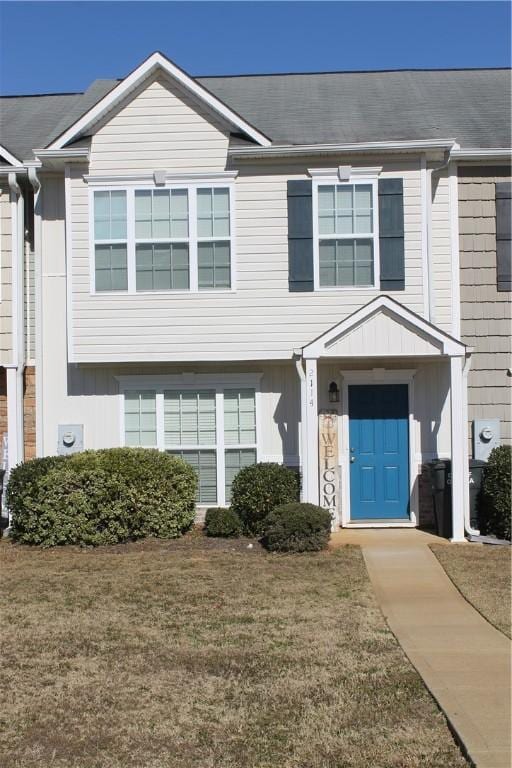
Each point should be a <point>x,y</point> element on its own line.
<point>157,61</point>
<point>423,339</point>
<point>9,157</point>
<point>376,147</point>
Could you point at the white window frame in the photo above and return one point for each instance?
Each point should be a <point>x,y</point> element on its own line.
<point>191,187</point>
<point>161,383</point>
<point>327,181</point>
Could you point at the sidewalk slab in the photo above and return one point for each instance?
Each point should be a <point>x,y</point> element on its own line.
<point>464,661</point>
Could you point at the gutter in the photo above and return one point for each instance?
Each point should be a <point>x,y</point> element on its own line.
<point>490,153</point>
<point>15,370</point>
<point>285,150</point>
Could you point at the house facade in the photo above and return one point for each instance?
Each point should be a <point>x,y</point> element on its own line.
<point>266,268</point>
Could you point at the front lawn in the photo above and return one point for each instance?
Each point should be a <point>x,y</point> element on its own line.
<point>482,573</point>
<point>181,655</point>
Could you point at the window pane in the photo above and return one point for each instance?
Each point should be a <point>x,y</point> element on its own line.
<point>204,464</point>
<point>239,417</point>
<point>190,417</point>
<point>325,198</point>
<point>344,198</point>
<point>346,262</point>
<point>140,418</point>
<point>363,197</point>
<point>344,224</point>
<point>363,223</point>
<point>213,212</point>
<point>111,272</point>
<point>110,215</point>
<point>179,213</point>
<point>214,265</point>
<point>235,460</point>
<point>162,266</point>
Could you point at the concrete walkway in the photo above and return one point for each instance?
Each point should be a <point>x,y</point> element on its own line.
<point>464,660</point>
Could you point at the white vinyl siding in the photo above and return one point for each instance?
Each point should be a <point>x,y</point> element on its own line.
<point>259,320</point>
<point>214,430</point>
<point>346,234</point>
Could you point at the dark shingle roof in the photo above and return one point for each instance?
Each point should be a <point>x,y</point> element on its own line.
<point>473,106</point>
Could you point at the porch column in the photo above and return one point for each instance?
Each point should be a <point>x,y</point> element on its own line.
<point>311,452</point>
<point>460,485</point>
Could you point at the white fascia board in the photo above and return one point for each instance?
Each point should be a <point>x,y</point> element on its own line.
<point>482,154</point>
<point>451,346</point>
<point>151,64</point>
<point>9,156</point>
<point>366,147</point>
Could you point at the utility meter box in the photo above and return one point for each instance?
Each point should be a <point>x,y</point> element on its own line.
<point>71,439</point>
<point>486,436</point>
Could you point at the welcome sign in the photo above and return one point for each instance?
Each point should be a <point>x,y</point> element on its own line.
<point>328,463</point>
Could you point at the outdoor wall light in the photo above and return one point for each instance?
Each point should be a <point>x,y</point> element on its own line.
<point>334,393</point>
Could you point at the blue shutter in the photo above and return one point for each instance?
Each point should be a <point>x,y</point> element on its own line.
<point>503,236</point>
<point>391,235</point>
<point>300,236</point>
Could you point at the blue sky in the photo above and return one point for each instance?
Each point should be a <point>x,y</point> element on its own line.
<point>63,46</point>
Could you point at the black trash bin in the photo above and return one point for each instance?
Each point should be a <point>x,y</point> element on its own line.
<point>441,480</point>
<point>476,473</point>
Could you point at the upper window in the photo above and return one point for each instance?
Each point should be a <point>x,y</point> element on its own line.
<point>346,235</point>
<point>175,240</point>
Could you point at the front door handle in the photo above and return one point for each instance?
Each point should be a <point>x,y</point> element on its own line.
<point>352,459</point>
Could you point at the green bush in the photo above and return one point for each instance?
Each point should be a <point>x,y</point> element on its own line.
<point>259,488</point>
<point>220,521</point>
<point>101,497</point>
<point>495,495</point>
<point>297,527</point>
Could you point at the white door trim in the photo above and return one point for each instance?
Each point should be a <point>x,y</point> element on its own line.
<point>377,376</point>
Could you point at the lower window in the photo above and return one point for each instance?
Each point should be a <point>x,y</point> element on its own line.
<point>187,423</point>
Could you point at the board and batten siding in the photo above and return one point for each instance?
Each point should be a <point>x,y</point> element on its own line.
<point>486,313</point>
<point>441,252</point>
<point>5,277</point>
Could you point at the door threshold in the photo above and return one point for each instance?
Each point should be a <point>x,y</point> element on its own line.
<point>380,524</point>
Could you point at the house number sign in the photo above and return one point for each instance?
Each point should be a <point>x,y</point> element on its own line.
<point>328,462</point>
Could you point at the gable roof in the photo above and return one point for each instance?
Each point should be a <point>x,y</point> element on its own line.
<point>157,62</point>
<point>400,314</point>
<point>474,106</point>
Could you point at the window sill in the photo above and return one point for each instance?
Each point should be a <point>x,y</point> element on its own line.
<point>203,292</point>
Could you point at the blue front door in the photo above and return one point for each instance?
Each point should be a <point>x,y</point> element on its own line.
<point>379,452</point>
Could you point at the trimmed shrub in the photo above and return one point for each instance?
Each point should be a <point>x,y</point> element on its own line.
<point>297,528</point>
<point>220,521</point>
<point>495,495</point>
<point>258,489</point>
<point>102,497</point>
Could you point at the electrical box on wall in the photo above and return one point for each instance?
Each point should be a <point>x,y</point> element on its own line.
<point>71,439</point>
<point>486,436</point>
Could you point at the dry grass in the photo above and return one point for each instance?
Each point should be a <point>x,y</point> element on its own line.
<point>482,573</point>
<point>165,656</point>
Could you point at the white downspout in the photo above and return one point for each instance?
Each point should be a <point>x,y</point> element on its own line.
<point>38,272</point>
<point>16,368</point>
<point>467,512</point>
<point>303,442</point>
